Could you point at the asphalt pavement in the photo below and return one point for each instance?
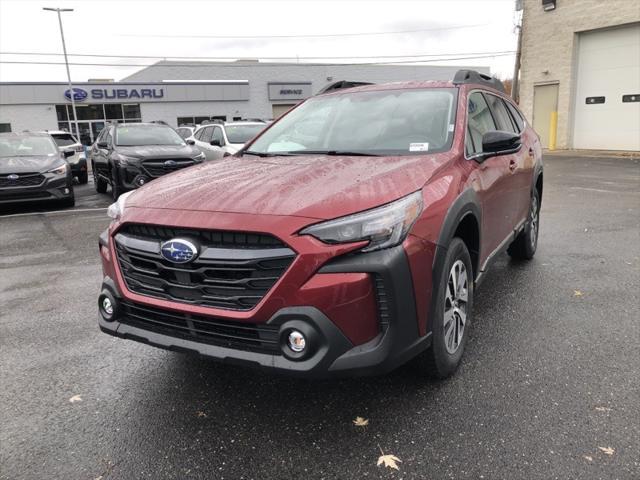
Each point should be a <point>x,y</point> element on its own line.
<point>549,386</point>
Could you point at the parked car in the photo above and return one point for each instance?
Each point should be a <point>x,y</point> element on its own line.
<point>348,238</point>
<point>129,155</point>
<point>33,169</point>
<point>78,161</point>
<point>228,137</point>
<point>186,131</point>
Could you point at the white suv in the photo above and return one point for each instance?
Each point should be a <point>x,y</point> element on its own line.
<point>220,139</point>
<point>78,160</point>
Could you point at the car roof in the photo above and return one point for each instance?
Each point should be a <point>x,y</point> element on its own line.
<point>141,124</point>
<point>408,85</point>
<point>57,132</point>
<point>243,123</point>
<point>23,134</point>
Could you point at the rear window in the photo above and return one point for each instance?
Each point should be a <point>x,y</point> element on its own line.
<point>64,139</point>
<point>242,133</point>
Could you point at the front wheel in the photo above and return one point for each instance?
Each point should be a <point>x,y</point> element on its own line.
<point>116,188</point>
<point>526,243</point>
<point>452,313</point>
<point>99,183</point>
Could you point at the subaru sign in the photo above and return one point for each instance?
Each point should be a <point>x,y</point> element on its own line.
<point>78,94</point>
<point>114,93</point>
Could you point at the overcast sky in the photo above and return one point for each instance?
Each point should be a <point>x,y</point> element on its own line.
<point>180,29</point>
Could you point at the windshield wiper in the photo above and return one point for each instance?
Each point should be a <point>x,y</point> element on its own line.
<point>269,154</point>
<point>335,153</point>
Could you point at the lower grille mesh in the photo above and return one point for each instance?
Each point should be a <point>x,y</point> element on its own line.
<point>202,329</point>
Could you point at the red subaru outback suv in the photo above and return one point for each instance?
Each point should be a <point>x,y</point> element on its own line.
<point>347,238</point>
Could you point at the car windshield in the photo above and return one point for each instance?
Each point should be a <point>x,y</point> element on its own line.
<point>383,122</point>
<point>242,133</point>
<point>64,139</point>
<point>139,135</point>
<point>27,147</point>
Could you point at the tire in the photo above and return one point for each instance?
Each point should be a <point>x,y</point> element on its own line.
<point>116,189</point>
<point>98,182</point>
<point>452,314</point>
<point>83,178</point>
<point>525,245</point>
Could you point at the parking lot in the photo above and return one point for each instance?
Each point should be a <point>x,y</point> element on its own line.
<point>548,387</point>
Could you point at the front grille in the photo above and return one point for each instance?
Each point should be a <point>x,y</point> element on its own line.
<point>203,329</point>
<point>23,180</point>
<point>235,273</point>
<point>159,167</point>
<point>383,300</point>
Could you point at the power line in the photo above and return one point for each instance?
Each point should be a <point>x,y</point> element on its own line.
<point>324,35</point>
<point>182,57</point>
<point>257,64</point>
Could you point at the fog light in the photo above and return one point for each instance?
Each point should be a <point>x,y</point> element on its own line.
<point>66,191</point>
<point>140,180</point>
<point>296,341</point>
<point>107,306</point>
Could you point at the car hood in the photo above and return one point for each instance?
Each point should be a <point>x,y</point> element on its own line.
<point>318,187</point>
<point>159,151</point>
<point>30,164</point>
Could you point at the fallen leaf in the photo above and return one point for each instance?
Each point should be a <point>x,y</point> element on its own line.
<point>603,409</point>
<point>607,450</point>
<point>588,458</point>
<point>388,460</point>
<point>75,398</point>
<point>202,414</point>
<point>361,422</point>
<point>577,293</point>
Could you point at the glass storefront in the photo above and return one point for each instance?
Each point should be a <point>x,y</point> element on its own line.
<point>93,117</point>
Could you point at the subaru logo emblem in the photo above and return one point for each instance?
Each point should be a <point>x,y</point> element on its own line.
<point>13,177</point>
<point>78,94</point>
<point>178,250</point>
<point>170,163</point>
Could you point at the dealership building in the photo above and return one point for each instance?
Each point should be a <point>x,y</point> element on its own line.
<point>179,93</point>
<point>580,63</point>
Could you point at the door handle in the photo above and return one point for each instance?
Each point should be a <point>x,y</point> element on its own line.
<point>513,165</point>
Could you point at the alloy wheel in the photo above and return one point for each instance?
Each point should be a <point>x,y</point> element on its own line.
<point>455,306</point>
<point>533,228</point>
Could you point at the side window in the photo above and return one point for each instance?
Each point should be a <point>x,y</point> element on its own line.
<point>217,135</point>
<point>206,134</point>
<point>198,134</point>
<point>500,113</point>
<point>108,137</point>
<point>516,115</point>
<point>479,120</point>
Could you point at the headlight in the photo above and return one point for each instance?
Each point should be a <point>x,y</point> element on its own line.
<point>199,157</point>
<point>116,209</point>
<point>61,170</point>
<point>383,227</point>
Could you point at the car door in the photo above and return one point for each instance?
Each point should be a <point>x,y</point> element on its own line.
<point>218,138</point>
<point>520,166</point>
<point>100,152</point>
<point>490,178</point>
<point>202,138</point>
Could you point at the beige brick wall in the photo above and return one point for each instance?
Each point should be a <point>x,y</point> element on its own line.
<point>549,43</point>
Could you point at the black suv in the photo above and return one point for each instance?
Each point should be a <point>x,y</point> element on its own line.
<point>129,155</point>
<point>32,169</point>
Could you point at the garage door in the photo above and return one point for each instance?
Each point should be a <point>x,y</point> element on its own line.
<point>607,109</point>
<point>280,109</point>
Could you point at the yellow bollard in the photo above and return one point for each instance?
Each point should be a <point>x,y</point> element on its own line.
<point>553,127</point>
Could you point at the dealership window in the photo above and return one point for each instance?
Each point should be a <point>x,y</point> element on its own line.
<point>113,111</point>
<point>197,120</point>
<point>5,127</point>
<point>131,111</point>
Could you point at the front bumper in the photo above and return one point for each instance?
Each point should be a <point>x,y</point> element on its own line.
<point>332,348</point>
<point>53,187</point>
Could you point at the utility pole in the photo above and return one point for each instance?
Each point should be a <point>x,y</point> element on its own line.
<point>515,83</point>
<point>66,63</point>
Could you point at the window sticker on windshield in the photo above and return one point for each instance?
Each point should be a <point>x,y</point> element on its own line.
<point>418,147</point>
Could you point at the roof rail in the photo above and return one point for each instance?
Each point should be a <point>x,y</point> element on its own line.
<point>471,76</point>
<point>341,84</point>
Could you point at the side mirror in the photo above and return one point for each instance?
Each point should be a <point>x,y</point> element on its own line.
<point>215,143</point>
<point>104,145</point>
<point>498,142</point>
<point>68,153</point>
<point>190,141</point>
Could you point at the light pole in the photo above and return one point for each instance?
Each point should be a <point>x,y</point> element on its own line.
<point>66,63</point>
